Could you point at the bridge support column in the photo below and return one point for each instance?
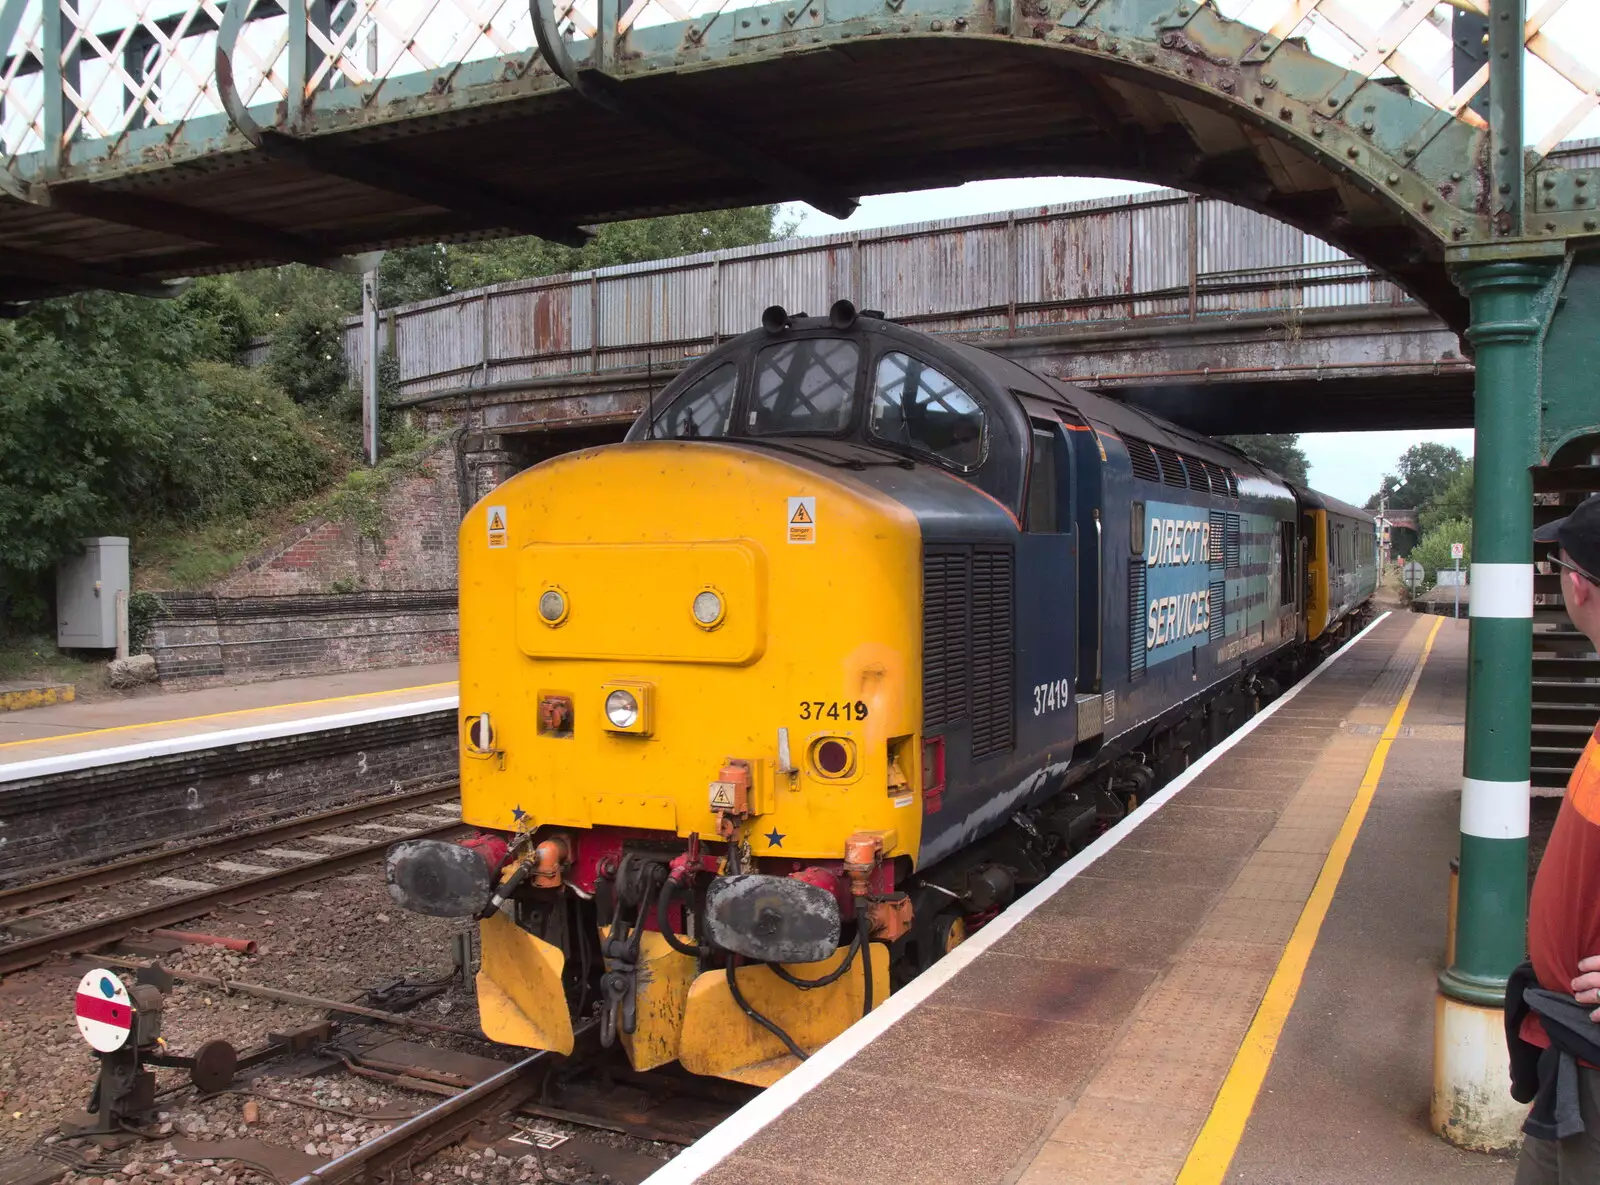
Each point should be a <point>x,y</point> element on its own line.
<point>1472,1105</point>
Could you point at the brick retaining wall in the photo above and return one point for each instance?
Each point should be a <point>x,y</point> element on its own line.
<point>207,639</point>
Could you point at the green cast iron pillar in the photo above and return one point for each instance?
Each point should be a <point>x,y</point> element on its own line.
<point>1471,1103</point>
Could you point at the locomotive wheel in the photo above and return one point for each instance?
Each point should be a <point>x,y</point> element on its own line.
<point>949,932</point>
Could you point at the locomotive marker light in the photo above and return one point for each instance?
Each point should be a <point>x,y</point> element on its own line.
<point>709,609</point>
<point>553,607</point>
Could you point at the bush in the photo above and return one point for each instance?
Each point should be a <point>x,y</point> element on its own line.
<point>246,448</point>
<point>144,609</point>
<point>1433,551</point>
<point>306,357</point>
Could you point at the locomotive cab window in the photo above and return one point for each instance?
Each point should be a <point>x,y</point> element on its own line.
<point>804,387</point>
<point>705,409</point>
<point>1042,492</point>
<point>917,408</point>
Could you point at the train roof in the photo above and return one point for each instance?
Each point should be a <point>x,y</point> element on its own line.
<point>1331,504</point>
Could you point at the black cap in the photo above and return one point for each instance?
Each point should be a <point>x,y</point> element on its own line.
<point>1578,534</point>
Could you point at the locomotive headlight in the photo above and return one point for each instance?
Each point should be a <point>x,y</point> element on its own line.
<point>622,709</point>
<point>553,606</point>
<point>627,705</point>
<point>708,609</point>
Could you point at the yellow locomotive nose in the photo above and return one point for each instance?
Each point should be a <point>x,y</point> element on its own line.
<point>633,618</point>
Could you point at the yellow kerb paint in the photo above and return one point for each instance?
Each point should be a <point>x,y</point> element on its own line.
<point>1214,1148</point>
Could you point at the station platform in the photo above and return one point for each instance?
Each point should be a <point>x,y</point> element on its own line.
<point>110,731</point>
<point>1237,984</point>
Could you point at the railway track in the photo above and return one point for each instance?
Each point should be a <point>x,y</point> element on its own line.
<point>35,935</point>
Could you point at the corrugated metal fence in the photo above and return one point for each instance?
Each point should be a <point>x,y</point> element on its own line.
<point>1160,254</point>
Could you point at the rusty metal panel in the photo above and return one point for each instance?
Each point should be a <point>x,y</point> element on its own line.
<point>802,278</point>
<point>942,270</point>
<point>1075,263</point>
<point>438,342</point>
<point>1160,259</point>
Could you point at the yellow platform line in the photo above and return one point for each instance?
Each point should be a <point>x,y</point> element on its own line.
<point>1218,1140</point>
<point>310,703</point>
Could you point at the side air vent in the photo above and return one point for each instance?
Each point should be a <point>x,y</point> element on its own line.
<point>968,644</point>
<point>1230,542</point>
<point>993,652</point>
<point>1172,473</point>
<point>1233,484</point>
<point>1198,478</point>
<point>1218,476</point>
<point>946,637</point>
<point>1218,533</point>
<point>1136,616</point>
<point>1143,459</point>
<point>1219,618</point>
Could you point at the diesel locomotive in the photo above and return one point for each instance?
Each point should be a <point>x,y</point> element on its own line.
<point>857,633</point>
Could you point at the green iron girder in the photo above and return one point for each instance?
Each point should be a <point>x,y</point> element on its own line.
<point>1359,162</point>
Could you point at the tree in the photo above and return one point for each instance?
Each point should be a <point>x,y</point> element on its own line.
<point>1278,451</point>
<point>1452,502</point>
<point>1422,473</point>
<point>1433,551</point>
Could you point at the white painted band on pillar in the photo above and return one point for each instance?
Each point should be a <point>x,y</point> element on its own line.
<point>1502,590</point>
<point>1494,810</point>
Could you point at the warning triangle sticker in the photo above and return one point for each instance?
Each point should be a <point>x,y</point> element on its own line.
<point>496,522</point>
<point>800,515</point>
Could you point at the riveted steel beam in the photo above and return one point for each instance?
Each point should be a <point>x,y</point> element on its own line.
<point>185,222</point>
<point>52,270</point>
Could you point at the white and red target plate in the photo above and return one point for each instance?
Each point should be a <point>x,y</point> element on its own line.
<point>105,1013</point>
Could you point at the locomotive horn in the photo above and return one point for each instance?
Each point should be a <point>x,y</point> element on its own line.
<point>842,315</point>
<point>774,319</point>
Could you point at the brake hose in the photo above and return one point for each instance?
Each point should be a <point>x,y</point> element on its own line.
<point>664,920</point>
<point>807,984</point>
<point>770,1026</point>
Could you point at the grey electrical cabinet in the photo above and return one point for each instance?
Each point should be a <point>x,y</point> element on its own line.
<point>86,594</point>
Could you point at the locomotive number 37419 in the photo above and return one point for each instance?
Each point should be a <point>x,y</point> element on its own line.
<point>1051,697</point>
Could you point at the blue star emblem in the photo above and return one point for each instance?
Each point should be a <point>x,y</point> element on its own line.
<point>775,838</point>
<point>518,813</point>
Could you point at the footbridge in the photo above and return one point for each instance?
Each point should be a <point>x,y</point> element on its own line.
<point>1208,313</point>
<point>142,141</point>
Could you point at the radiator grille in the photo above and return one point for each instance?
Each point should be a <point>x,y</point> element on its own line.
<point>1219,534</point>
<point>1233,484</point>
<point>1143,459</point>
<point>969,642</point>
<point>1230,542</point>
<point>992,652</point>
<point>1219,621</point>
<point>1172,472</point>
<point>1136,616</point>
<point>946,635</point>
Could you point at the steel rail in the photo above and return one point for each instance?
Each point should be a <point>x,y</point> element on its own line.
<point>58,887</point>
<point>442,1124</point>
<point>33,951</point>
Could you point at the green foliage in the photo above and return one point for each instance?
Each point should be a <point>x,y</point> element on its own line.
<point>1423,472</point>
<point>1433,550</point>
<point>144,609</point>
<point>306,357</point>
<point>222,319</point>
<point>1278,451</point>
<point>1452,502</point>
<point>116,417</point>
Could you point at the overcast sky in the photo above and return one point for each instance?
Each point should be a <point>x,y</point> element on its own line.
<point>1348,465</point>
